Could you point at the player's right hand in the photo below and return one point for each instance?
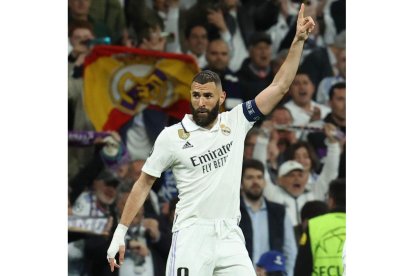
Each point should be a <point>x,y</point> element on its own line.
<point>117,245</point>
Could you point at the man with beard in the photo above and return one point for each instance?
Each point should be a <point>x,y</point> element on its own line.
<point>205,153</point>
<point>265,225</point>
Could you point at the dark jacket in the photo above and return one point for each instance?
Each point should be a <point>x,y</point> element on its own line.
<point>317,65</point>
<point>276,221</point>
<point>250,83</point>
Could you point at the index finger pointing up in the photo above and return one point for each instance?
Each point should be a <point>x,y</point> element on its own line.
<point>302,10</point>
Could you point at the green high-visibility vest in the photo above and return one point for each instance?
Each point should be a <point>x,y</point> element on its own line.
<point>327,236</point>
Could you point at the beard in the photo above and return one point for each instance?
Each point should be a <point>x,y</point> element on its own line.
<point>253,196</point>
<point>205,119</point>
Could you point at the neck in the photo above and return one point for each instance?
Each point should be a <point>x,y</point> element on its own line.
<point>255,204</point>
<point>306,106</point>
<point>339,120</point>
<point>212,123</point>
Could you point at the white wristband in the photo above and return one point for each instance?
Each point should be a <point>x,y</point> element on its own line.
<point>117,240</point>
<point>121,230</point>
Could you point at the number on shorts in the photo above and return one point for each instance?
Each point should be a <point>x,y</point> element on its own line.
<point>180,270</point>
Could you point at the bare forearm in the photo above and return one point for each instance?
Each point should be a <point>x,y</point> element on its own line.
<point>287,71</point>
<point>135,200</point>
<point>272,95</point>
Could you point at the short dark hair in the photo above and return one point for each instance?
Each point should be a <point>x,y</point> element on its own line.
<point>258,37</point>
<point>207,76</point>
<point>302,71</point>
<point>290,153</point>
<point>313,209</point>
<point>252,164</point>
<point>281,107</point>
<point>79,24</point>
<point>337,191</point>
<point>189,28</point>
<point>339,85</point>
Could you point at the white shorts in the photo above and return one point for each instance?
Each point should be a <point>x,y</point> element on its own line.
<point>209,247</point>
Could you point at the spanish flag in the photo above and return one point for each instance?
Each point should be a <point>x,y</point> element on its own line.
<point>120,82</point>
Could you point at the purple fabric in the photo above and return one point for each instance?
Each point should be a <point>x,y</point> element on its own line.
<point>84,138</point>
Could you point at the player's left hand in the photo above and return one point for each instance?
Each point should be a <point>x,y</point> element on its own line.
<point>304,25</point>
<point>117,245</point>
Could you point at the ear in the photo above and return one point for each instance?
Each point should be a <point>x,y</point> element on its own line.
<point>222,97</point>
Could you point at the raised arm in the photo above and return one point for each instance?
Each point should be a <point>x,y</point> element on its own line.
<point>135,200</point>
<point>271,95</point>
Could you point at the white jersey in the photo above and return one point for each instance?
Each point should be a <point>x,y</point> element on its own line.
<point>206,164</point>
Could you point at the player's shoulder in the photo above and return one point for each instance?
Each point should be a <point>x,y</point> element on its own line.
<point>172,132</point>
<point>235,111</point>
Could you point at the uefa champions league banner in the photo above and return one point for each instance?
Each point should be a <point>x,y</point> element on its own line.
<point>120,82</point>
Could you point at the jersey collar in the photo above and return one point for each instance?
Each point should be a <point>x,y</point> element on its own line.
<point>190,126</point>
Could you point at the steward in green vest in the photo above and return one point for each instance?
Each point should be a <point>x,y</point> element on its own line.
<point>320,250</point>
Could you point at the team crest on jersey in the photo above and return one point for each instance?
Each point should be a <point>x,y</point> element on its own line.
<point>225,129</point>
<point>183,134</point>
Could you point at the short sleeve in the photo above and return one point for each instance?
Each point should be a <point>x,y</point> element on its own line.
<point>160,157</point>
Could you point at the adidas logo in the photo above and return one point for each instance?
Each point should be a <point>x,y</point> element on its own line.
<point>187,145</point>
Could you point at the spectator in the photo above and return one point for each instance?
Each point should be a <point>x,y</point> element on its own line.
<point>226,19</point>
<point>196,42</point>
<point>271,263</point>
<point>218,58</point>
<point>303,153</point>
<point>321,62</point>
<point>99,202</point>
<point>265,225</point>
<point>338,13</point>
<point>250,142</point>
<point>150,37</point>
<point>324,87</point>
<point>111,14</point>
<point>274,18</point>
<point>79,33</point>
<point>256,73</point>
<point>281,116</point>
<point>321,245</point>
<point>337,102</point>
<point>263,147</point>
<point>79,10</point>
<point>310,210</point>
<point>169,12</point>
<point>303,109</point>
<point>241,27</point>
<point>292,191</point>
<point>322,33</point>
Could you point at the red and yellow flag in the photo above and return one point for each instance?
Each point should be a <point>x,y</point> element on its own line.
<point>120,82</point>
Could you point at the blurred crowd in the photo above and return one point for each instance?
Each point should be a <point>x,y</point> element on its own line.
<point>293,177</point>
